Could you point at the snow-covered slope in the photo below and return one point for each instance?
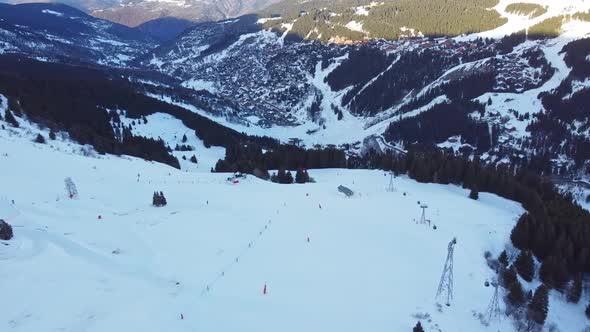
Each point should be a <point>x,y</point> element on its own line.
<point>328,262</point>
<point>517,22</point>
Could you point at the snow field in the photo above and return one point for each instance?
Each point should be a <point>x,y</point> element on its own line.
<point>368,265</point>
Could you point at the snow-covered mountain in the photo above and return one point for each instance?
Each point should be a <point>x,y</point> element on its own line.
<point>134,13</point>
<point>344,91</point>
<point>84,5</point>
<point>314,88</point>
<point>263,78</point>
<point>54,32</point>
<point>137,12</point>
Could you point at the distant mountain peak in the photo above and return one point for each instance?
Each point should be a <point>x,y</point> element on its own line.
<point>135,13</point>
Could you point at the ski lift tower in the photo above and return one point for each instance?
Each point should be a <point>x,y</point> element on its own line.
<point>423,220</point>
<point>391,187</point>
<point>446,280</point>
<point>493,311</point>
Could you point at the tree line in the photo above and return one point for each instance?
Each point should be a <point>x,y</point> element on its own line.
<point>555,229</point>
<point>527,9</point>
<point>81,101</point>
<point>325,19</point>
<point>251,159</point>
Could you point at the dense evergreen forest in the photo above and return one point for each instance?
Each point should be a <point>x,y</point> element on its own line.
<point>443,121</point>
<point>386,19</point>
<point>400,76</point>
<point>251,159</point>
<point>527,9</point>
<point>561,129</point>
<point>549,28</point>
<point>81,102</point>
<point>585,16</point>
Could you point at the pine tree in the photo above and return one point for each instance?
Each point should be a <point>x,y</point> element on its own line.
<point>194,159</point>
<point>588,310</point>
<point>418,328</point>
<point>281,175</point>
<point>8,117</point>
<point>509,277</point>
<point>554,272</point>
<point>301,176</point>
<point>520,235</point>
<point>575,292</point>
<point>71,188</point>
<point>289,178</point>
<point>158,199</point>
<point>52,135</point>
<point>5,231</point>
<point>40,139</point>
<point>539,305</point>
<point>184,138</point>
<point>516,294</point>
<point>503,259</point>
<point>525,265</point>
<point>474,194</point>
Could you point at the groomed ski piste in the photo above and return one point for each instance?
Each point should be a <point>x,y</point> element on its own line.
<point>107,260</point>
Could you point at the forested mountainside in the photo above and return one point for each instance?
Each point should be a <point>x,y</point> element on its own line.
<point>356,20</point>
<point>42,92</point>
<point>506,96</point>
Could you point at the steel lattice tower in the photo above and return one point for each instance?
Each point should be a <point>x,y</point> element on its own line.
<point>391,187</point>
<point>446,280</point>
<point>423,216</point>
<point>493,310</point>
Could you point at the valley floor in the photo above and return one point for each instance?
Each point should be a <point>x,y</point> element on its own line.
<point>109,261</point>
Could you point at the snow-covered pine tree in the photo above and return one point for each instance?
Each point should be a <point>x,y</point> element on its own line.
<point>525,265</point>
<point>8,117</point>
<point>5,231</point>
<point>474,194</point>
<point>301,176</point>
<point>575,291</point>
<point>40,139</point>
<point>516,294</point>
<point>71,189</point>
<point>503,259</point>
<point>418,328</point>
<point>539,305</point>
<point>158,199</point>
